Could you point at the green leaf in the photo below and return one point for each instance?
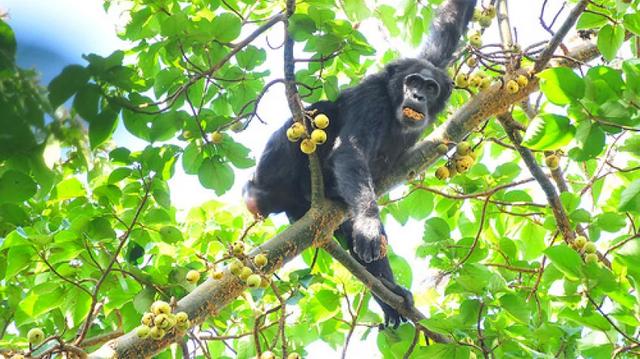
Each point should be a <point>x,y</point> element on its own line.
<point>590,20</point>
<point>102,127</point>
<point>611,221</point>
<point>443,351</point>
<point>632,23</point>
<point>170,234</point>
<point>8,46</point>
<point>436,229</point>
<point>630,197</point>
<point>226,27</point>
<point>166,80</point>
<point>386,13</point>
<point>238,155</point>
<point>216,175</point>
<point>87,101</point>
<point>69,188</point>
<point>566,260</point>
<point>610,39</point>
<point>16,187</point>
<point>71,80</point>
<point>561,85</point>
<point>18,258</point>
<point>517,306</point>
<point>251,57</point>
<point>549,132</point>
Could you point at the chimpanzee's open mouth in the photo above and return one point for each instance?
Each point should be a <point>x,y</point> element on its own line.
<point>412,114</point>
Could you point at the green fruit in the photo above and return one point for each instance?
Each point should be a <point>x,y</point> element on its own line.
<point>442,149</point>
<point>35,336</point>
<point>238,248</point>
<point>160,307</point>
<point>217,275</point>
<point>490,11</point>
<point>590,247</point>
<point>183,326</point>
<point>591,258</point>
<point>193,276</point>
<point>261,260</point>
<point>236,267</point>
<point>475,80</point>
<point>442,173</point>
<point>293,356</point>
<point>181,317</point>
<point>472,62</point>
<point>485,21</point>
<point>143,331</point>
<point>245,273</point>
<point>462,80</point>
<point>216,137</point>
<point>552,161</point>
<point>156,333</point>
<point>486,83</point>
<point>579,242</point>
<point>253,281</point>
<point>162,321</point>
<point>463,148</point>
<point>147,319</point>
<point>321,121</point>
<point>475,40</point>
<point>464,163</point>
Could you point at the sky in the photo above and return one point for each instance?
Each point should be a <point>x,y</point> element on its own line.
<point>54,33</point>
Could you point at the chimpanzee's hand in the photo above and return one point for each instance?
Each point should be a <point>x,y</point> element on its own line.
<point>368,240</point>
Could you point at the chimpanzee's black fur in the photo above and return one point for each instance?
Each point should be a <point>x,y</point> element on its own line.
<point>368,132</point>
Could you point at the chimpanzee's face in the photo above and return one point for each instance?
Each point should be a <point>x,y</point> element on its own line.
<point>420,93</point>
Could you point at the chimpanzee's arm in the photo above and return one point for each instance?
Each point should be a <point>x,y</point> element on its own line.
<point>446,29</point>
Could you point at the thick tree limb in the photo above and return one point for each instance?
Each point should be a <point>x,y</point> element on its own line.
<point>315,227</point>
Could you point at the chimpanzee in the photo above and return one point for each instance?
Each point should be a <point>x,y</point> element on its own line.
<point>371,125</point>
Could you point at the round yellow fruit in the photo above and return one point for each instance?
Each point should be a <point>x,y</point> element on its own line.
<point>490,11</point>
<point>475,40</point>
<point>472,62</point>
<point>35,336</point>
<point>291,135</point>
<point>147,319</point>
<point>298,129</point>
<point>245,273</point>
<point>143,331</point>
<point>261,260</point>
<point>463,148</point>
<point>552,161</point>
<point>268,355</point>
<point>293,356</point>
<point>17,356</point>
<point>307,146</point>
<point>156,333</point>
<point>253,281</point>
<point>475,80</point>
<point>476,14</point>
<point>181,317</point>
<point>319,136</point>
<point>442,173</point>
<point>485,83</point>
<point>238,248</point>
<point>512,87</point>
<point>522,81</point>
<point>216,137</point>
<point>464,163</point>
<point>321,121</point>
<point>217,275</point>
<point>236,267</point>
<point>590,247</point>
<point>264,283</point>
<point>442,149</point>
<point>579,242</point>
<point>160,307</point>
<point>193,276</point>
<point>162,321</point>
<point>591,258</point>
<point>462,80</point>
<point>183,326</point>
